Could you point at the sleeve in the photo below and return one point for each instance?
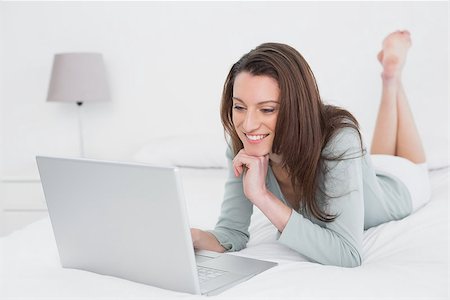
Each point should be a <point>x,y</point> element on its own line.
<point>339,242</point>
<point>231,229</point>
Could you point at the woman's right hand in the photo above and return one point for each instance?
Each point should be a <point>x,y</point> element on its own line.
<point>203,240</point>
<point>253,170</point>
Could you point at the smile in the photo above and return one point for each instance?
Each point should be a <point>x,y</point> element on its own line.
<point>255,137</point>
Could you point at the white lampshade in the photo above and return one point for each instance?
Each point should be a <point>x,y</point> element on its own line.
<point>78,77</point>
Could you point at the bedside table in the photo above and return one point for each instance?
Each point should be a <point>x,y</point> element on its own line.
<point>22,203</point>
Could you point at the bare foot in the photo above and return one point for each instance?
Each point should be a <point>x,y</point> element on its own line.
<point>393,55</point>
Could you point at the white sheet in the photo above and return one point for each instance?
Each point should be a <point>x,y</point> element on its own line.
<point>402,259</point>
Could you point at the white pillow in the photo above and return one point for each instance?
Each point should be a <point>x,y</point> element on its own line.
<point>208,151</point>
<point>193,151</point>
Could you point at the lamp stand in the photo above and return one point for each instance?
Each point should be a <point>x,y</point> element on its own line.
<point>80,128</point>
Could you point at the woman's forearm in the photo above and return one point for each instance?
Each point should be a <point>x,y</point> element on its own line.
<point>274,209</point>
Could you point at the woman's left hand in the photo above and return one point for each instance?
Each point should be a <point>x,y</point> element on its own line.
<point>254,170</point>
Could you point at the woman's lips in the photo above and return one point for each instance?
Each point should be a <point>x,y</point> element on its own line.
<point>255,138</point>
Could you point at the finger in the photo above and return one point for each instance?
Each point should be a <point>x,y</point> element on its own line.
<point>249,161</point>
<point>239,169</point>
<point>244,161</point>
<point>242,166</point>
<point>239,163</point>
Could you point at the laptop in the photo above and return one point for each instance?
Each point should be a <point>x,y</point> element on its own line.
<point>130,221</point>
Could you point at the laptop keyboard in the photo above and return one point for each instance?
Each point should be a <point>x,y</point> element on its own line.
<point>205,274</point>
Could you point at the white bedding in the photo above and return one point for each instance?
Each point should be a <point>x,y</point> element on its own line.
<point>402,260</point>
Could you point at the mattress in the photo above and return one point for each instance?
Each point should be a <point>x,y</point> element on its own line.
<point>401,259</point>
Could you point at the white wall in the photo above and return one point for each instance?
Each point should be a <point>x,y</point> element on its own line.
<point>1,121</point>
<point>166,64</point>
<point>1,88</point>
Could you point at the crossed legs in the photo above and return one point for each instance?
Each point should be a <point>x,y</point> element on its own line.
<point>395,130</point>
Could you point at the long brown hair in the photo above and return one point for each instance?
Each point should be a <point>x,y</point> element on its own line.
<point>304,124</point>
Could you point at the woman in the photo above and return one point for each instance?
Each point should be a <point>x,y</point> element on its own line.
<point>303,163</point>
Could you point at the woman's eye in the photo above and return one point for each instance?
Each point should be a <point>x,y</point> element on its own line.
<point>267,110</point>
<point>237,107</point>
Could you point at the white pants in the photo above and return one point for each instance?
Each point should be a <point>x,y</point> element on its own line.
<point>414,176</point>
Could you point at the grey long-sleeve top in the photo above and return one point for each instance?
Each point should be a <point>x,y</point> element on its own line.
<point>361,198</point>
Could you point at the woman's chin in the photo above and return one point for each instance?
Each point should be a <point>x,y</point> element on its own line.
<point>254,151</point>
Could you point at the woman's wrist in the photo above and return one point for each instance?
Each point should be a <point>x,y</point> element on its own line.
<point>259,199</point>
<point>275,210</point>
<point>263,198</point>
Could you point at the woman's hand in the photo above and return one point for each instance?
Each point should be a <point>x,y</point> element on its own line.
<point>203,240</point>
<point>254,171</point>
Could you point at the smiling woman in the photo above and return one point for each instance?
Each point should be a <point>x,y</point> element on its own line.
<point>303,163</point>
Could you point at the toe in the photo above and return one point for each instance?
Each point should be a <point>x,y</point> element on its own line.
<point>380,56</point>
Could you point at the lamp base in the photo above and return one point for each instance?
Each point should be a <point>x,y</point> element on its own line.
<point>80,129</point>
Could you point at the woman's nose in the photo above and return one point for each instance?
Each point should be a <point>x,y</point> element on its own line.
<point>251,122</point>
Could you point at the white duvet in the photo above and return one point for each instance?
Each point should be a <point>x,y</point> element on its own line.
<point>406,259</point>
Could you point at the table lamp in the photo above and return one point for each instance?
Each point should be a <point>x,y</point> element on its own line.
<point>78,78</point>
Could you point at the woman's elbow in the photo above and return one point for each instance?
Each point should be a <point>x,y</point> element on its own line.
<point>353,260</point>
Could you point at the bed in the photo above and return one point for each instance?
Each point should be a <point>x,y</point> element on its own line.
<point>406,259</point>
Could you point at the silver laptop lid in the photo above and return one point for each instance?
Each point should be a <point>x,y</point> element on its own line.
<point>104,214</point>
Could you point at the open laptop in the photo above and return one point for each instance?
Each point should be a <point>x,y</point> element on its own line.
<point>130,221</point>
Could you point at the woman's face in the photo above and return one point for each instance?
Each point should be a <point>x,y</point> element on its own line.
<point>255,110</point>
